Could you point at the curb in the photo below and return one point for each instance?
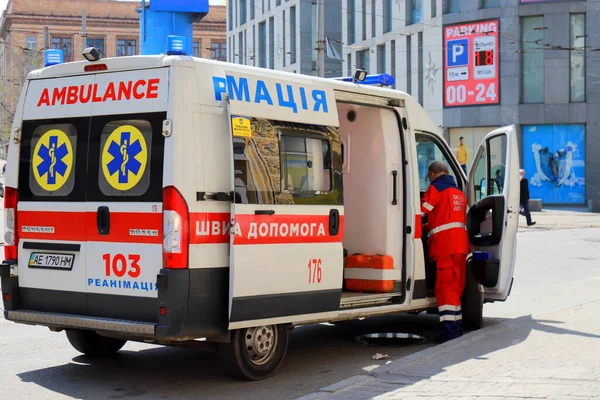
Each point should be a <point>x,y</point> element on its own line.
<point>474,336</point>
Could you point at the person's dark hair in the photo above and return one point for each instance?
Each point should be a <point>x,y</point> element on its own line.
<point>461,138</point>
<point>438,167</point>
<point>497,172</point>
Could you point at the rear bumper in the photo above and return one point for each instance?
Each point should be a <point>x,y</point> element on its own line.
<point>195,303</point>
<point>56,320</point>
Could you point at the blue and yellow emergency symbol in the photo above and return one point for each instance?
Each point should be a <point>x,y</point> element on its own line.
<point>124,157</point>
<point>241,126</point>
<point>52,160</point>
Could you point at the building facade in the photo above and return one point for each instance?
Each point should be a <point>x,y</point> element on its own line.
<point>282,34</point>
<point>476,65</point>
<point>111,26</point>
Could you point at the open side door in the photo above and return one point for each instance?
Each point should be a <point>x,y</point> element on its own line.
<point>286,252</point>
<point>494,212</point>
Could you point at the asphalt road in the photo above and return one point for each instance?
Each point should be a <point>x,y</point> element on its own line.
<point>555,268</point>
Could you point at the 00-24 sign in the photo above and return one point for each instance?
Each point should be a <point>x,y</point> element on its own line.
<point>483,93</point>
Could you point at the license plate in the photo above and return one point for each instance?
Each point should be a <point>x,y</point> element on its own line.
<point>51,261</point>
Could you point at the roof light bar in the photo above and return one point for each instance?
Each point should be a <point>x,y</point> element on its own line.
<point>53,57</point>
<point>380,79</point>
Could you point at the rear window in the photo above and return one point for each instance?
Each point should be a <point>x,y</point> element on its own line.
<point>53,156</point>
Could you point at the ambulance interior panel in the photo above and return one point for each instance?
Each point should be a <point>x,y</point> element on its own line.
<point>372,223</point>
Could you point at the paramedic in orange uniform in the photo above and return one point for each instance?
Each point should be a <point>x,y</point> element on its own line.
<point>448,245</point>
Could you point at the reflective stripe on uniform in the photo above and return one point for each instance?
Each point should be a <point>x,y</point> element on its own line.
<point>445,227</point>
<point>428,206</point>
<point>448,307</point>
<point>450,318</point>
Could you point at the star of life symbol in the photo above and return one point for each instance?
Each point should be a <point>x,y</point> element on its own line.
<point>53,160</point>
<point>124,157</point>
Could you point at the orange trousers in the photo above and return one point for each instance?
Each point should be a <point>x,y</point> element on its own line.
<point>449,285</point>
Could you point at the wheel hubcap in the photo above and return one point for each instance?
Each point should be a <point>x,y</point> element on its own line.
<point>260,343</point>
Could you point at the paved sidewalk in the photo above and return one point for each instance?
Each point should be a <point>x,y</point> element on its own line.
<point>560,219</point>
<point>550,356</point>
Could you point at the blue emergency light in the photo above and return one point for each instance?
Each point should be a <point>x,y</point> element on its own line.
<point>176,45</point>
<point>53,57</point>
<point>380,79</point>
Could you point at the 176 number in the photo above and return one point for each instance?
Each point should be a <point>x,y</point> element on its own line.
<point>315,270</point>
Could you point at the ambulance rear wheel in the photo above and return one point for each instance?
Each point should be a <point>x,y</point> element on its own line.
<point>93,345</point>
<point>255,353</point>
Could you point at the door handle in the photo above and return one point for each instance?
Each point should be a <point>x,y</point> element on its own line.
<point>103,220</point>
<point>395,188</point>
<point>334,222</point>
<point>264,212</point>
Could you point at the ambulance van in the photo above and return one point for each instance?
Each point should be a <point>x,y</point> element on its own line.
<point>175,200</point>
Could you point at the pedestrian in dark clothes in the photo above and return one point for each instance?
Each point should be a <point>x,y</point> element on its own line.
<point>525,197</point>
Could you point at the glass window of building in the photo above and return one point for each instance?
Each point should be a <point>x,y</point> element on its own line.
<point>196,49</point>
<point>252,9</point>
<point>98,43</point>
<point>381,59</point>
<point>373,18</point>
<point>409,64</point>
<point>292,35</point>
<point>243,12</point>
<point>393,61</point>
<point>126,47</point>
<point>351,21</point>
<point>577,57</point>
<point>433,8</point>
<point>284,52</point>
<point>66,45</point>
<point>241,49</point>
<point>31,42</point>
<point>218,51</point>
<point>272,43</point>
<point>532,47</point>
<point>415,11</point>
<point>420,68</point>
<point>262,45</point>
<point>364,19</point>
<point>387,16</point>
<point>451,6</point>
<point>490,3</point>
<point>363,60</point>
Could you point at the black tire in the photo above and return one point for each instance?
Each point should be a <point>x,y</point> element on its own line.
<point>472,303</point>
<point>94,345</point>
<point>244,362</point>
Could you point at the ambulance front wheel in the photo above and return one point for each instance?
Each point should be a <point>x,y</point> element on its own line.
<point>94,345</point>
<point>255,353</point>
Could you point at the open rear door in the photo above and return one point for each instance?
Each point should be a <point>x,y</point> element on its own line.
<point>494,212</point>
<point>287,214</point>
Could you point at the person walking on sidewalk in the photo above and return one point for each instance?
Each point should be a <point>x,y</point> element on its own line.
<point>525,197</point>
<point>446,209</point>
<point>462,154</point>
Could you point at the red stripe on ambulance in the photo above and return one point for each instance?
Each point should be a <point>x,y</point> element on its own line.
<point>125,227</point>
<point>285,229</point>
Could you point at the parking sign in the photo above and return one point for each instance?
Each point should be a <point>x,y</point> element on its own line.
<point>458,52</point>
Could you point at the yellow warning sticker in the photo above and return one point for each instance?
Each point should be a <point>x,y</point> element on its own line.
<point>241,126</point>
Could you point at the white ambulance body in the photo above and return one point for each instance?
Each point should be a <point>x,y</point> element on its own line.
<point>169,198</point>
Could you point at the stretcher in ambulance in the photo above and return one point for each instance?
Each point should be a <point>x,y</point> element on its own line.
<point>172,200</point>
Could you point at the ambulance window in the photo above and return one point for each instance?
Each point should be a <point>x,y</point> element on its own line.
<point>124,157</point>
<point>52,158</point>
<point>305,164</point>
<point>429,150</point>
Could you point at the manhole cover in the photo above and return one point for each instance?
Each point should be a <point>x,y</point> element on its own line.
<point>391,339</point>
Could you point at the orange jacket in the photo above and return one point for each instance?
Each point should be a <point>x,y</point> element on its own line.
<point>446,207</point>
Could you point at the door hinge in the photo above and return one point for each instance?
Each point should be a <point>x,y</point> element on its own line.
<point>408,230</point>
<point>408,282</point>
<point>167,128</point>
<point>218,196</point>
<point>16,135</point>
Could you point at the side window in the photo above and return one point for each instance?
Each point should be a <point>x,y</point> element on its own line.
<point>305,164</point>
<point>280,162</point>
<point>53,156</point>
<point>125,151</point>
<point>429,150</point>
<point>490,163</point>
